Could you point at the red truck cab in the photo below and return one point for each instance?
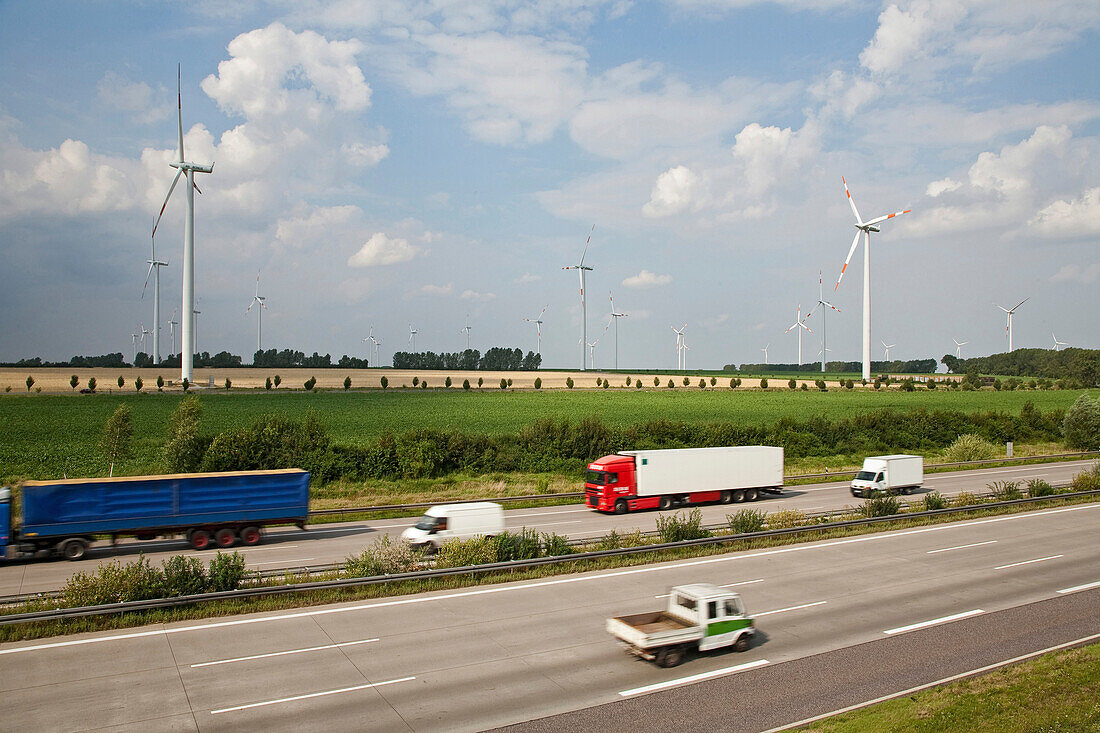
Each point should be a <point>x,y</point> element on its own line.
<point>609,480</point>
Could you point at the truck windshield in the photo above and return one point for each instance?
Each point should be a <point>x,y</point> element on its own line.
<point>865,476</point>
<point>597,477</point>
<point>428,522</point>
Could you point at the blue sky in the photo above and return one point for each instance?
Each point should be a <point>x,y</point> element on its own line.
<point>390,163</point>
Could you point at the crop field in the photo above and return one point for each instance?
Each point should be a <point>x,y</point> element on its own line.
<point>44,436</point>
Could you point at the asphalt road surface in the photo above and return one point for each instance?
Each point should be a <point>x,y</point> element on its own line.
<point>332,543</point>
<point>483,657</point>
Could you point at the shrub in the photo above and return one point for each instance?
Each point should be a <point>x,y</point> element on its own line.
<point>934,500</point>
<point>466,384</point>
<point>613,540</point>
<point>385,556</point>
<point>656,381</point>
<point>279,380</point>
<point>347,383</point>
<point>997,385</point>
<point>969,447</point>
<point>183,576</point>
<point>679,527</point>
<point>628,380</point>
<point>91,384</point>
<point>121,382</point>
<point>184,448</point>
<point>687,381</point>
<point>638,384</point>
<point>713,381</point>
<point>504,383</point>
<point>481,380</point>
<point>226,571</point>
<point>538,382</point>
<point>1087,480</point>
<point>1081,425</point>
<point>907,385</point>
<point>746,520</point>
<point>461,553</point>
<point>186,383</point>
<point>820,384</point>
<point>229,384</point>
<point>702,384</point>
<point>554,545</point>
<point>786,518</point>
<point>509,382</point>
<point>606,384</point>
<point>522,545</point>
<point>271,442</point>
<point>423,384</point>
<point>30,382</point>
<point>267,383</point>
<point>1039,487</point>
<point>416,381</point>
<point>138,384</point>
<point>850,385</point>
<point>764,383</point>
<point>599,381</point>
<point>568,382</point>
<point>965,498</point>
<point>792,383</point>
<point>384,382</point>
<point>73,381</point>
<point>880,506</point>
<point>160,383</point>
<point>447,382</point>
<point>805,388</point>
<point>931,383</point>
<point>733,383</point>
<point>1005,490</point>
<point>671,384</point>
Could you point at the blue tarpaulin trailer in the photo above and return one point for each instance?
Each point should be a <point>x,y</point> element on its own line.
<point>209,508</point>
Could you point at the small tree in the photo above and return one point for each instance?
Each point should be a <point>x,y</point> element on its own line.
<point>599,381</point>
<point>1081,425</point>
<point>186,384</point>
<point>733,383</point>
<point>687,381</point>
<point>267,383</point>
<point>713,381</point>
<point>184,447</point>
<point>310,383</point>
<point>447,382</point>
<point>671,384</point>
<point>656,381</point>
<point>805,388</point>
<point>228,384</point>
<point>481,381</point>
<point>466,384</point>
<point>347,383</point>
<point>850,385</point>
<point>91,384</point>
<point>606,384</point>
<point>638,384</point>
<point>538,382</point>
<point>764,383</point>
<point>138,384</point>
<point>504,383</point>
<point>160,383</point>
<point>416,381</point>
<point>702,384</point>
<point>73,381</point>
<point>278,380</point>
<point>569,382</point>
<point>384,382</point>
<point>117,438</point>
<point>509,382</point>
<point>121,382</point>
<point>931,383</point>
<point>820,384</point>
<point>30,382</point>
<point>423,384</point>
<point>792,383</point>
<point>628,381</point>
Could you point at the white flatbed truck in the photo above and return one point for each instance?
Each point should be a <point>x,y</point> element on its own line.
<point>699,617</point>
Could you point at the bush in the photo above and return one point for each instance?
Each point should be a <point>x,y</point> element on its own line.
<point>934,500</point>
<point>160,383</point>
<point>1039,487</point>
<point>423,384</point>
<point>764,383</point>
<point>907,385</point>
<point>538,382</point>
<point>522,545</point>
<point>138,384</point>
<point>880,506</point>
<point>229,384</point>
<point>347,383</point>
<point>183,576</point>
<point>114,583</point>
<point>733,383</point>
<point>805,388</point>
<point>267,383</point>
<point>820,384</point>
<point>73,381</point>
<point>965,498</point>
<point>30,382</point>
<point>271,442</point>
<point>850,385</point>
<point>606,384</point>
<point>613,540</point>
<point>481,381</point>
<point>1081,425</point>
<point>385,556</point>
<point>466,384</point>
<point>509,382</point>
<point>1005,490</point>
<point>310,383</point>
<point>554,545</point>
<point>226,571</point>
<point>504,384</point>
<point>121,382</point>
<point>568,382</point>
<point>671,384</point>
<point>679,527</point>
<point>416,381</point>
<point>628,380</point>
<point>599,381</point>
<point>447,382</point>
<point>969,447</point>
<point>1087,480</point>
<point>384,382</point>
<point>787,518</point>
<point>746,520</point>
<point>186,384</point>
<point>656,381</point>
<point>931,383</point>
<point>702,384</point>
<point>713,381</point>
<point>792,383</point>
<point>638,384</point>
<point>461,553</point>
<point>184,448</point>
<point>91,384</point>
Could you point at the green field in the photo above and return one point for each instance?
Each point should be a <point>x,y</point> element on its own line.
<point>46,435</point>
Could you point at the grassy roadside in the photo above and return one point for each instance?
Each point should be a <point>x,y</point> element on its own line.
<point>34,630</point>
<point>1054,692</point>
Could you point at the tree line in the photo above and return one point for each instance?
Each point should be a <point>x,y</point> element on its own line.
<point>1080,365</point>
<point>495,359</point>
<point>912,366</point>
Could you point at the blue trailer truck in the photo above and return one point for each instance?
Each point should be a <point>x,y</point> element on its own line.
<point>63,517</point>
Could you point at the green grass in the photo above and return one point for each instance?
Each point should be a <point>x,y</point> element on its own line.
<point>1055,692</point>
<point>49,435</point>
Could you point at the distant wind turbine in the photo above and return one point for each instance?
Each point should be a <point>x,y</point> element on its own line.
<point>616,316</point>
<point>800,324</point>
<point>887,347</point>
<point>412,337</point>
<point>538,327</point>
<point>824,304</point>
<point>958,347</point>
<point>144,332</point>
<point>582,268</point>
<point>1009,312</point>
<point>679,345</point>
<point>258,300</point>
<point>1057,343</point>
<point>467,330</point>
<point>172,323</point>
<point>154,264</point>
<point>195,330</point>
<point>133,343</point>
<point>765,350</point>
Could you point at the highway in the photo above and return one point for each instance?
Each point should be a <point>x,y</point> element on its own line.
<point>482,657</point>
<point>332,543</point>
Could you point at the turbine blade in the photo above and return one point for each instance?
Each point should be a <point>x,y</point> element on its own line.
<point>851,201</point>
<point>1021,302</point>
<point>165,204</point>
<point>887,216</point>
<point>586,243</point>
<point>179,105</point>
<point>143,287</point>
<point>851,251</point>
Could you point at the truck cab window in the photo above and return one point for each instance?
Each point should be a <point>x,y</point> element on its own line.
<point>596,477</point>
<point>612,478</point>
<point>880,477</point>
<point>712,610</point>
<point>733,608</point>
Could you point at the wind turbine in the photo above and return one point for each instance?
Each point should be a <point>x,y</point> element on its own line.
<point>172,331</point>
<point>887,347</point>
<point>866,227</point>
<point>195,329</point>
<point>825,304</point>
<point>133,344</point>
<point>187,348</point>
<point>370,349</point>
<point>616,316</point>
<point>412,337</point>
<point>686,350</point>
<point>258,300</point>
<point>592,346</point>
<point>800,324</point>
<point>584,310</point>
<point>679,345</point>
<point>1057,343</point>
<point>538,326</point>
<point>958,347</point>
<point>154,264</point>
<point>1010,311</point>
<point>765,350</point>
<point>467,329</point>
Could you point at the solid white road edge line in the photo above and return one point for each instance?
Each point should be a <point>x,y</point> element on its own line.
<point>933,622</point>
<point>927,685</point>
<point>481,591</point>
<point>788,608</point>
<point>1086,586</point>
<point>282,654</point>
<point>693,678</point>
<point>960,547</point>
<point>726,585</point>
<point>277,562</point>
<point>1027,562</point>
<point>306,697</point>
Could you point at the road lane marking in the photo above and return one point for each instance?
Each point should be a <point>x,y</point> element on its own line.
<point>1027,562</point>
<point>937,683</point>
<point>552,524</point>
<point>1076,588</point>
<point>789,608</point>
<point>310,695</point>
<point>726,585</point>
<point>960,547</point>
<point>933,622</point>
<point>282,654</point>
<point>565,580</point>
<point>694,678</point>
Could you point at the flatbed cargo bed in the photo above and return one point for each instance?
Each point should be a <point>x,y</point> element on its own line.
<point>654,622</point>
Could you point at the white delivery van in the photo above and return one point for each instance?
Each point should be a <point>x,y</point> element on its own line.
<point>455,521</point>
<point>898,474</point>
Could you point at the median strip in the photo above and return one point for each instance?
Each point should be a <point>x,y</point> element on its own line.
<point>933,622</point>
<point>694,678</point>
<point>282,654</point>
<point>310,695</point>
<point>1027,562</point>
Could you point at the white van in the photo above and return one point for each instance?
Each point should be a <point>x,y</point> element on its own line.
<point>455,521</point>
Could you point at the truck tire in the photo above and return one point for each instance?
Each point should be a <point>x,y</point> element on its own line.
<point>225,537</point>
<point>670,656</point>
<point>665,502</point>
<point>738,496</point>
<point>751,494</point>
<point>726,497</point>
<point>742,643</point>
<point>199,539</point>
<point>251,536</point>
<point>74,549</point>
<point>621,507</point>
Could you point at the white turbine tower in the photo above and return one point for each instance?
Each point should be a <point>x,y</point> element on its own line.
<point>958,347</point>
<point>679,345</point>
<point>133,344</point>
<point>412,337</point>
<point>154,264</point>
<point>800,324</point>
<point>866,227</point>
<point>765,350</point>
<point>824,304</point>
<point>887,347</point>
<point>1057,343</point>
<point>582,268</point>
<point>1010,311</point>
<point>592,345</point>
<point>686,350</point>
<point>172,323</point>
<point>615,317</point>
<point>467,330</point>
<point>188,347</point>
<point>195,330</point>
<point>258,300</point>
<point>538,327</point>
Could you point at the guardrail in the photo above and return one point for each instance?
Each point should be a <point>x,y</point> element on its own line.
<point>162,603</point>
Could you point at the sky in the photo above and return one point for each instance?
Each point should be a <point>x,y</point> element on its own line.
<point>380,164</point>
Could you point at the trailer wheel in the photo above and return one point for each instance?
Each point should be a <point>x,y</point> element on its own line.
<point>199,539</point>
<point>74,549</point>
<point>621,507</point>
<point>670,656</point>
<point>665,502</point>
<point>752,495</point>
<point>727,497</point>
<point>742,643</point>
<point>738,496</point>
<point>251,536</point>
<point>225,537</point>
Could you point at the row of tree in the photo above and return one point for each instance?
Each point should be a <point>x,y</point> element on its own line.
<point>495,359</point>
<point>1081,365</point>
<point>913,366</point>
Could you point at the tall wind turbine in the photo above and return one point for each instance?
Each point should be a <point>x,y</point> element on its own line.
<point>538,327</point>
<point>187,348</point>
<point>679,345</point>
<point>412,337</point>
<point>887,347</point>
<point>144,332</point>
<point>592,345</point>
<point>959,347</point>
<point>467,330</point>
<point>824,304</point>
<point>866,227</point>
<point>800,324</point>
<point>616,316</point>
<point>765,350</point>
<point>582,268</point>
<point>1010,311</point>
<point>1057,343</point>
<point>154,264</point>
<point>258,301</point>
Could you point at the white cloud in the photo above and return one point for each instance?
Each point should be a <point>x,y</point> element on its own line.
<point>647,279</point>
<point>136,98</point>
<point>1079,217</point>
<point>437,290</point>
<point>935,188</point>
<point>675,191</point>
<point>316,227</point>
<point>68,179</point>
<point>364,155</point>
<point>476,296</point>
<point>381,250</point>
<point>1077,274</point>
<point>527,278</point>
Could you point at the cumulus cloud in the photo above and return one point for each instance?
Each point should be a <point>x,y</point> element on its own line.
<point>381,250</point>
<point>675,191</point>
<point>1078,217</point>
<point>527,278</point>
<point>317,226</point>
<point>1077,274</point>
<point>477,297</point>
<point>647,279</point>
<point>437,290</point>
<point>135,98</point>
<point>68,179</point>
